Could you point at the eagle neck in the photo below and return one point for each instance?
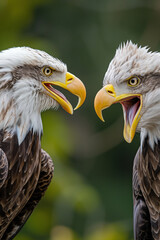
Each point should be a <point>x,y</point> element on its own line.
<point>152,135</point>
<point>19,118</point>
<point>27,123</point>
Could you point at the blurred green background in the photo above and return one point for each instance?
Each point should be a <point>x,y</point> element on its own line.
<point>90,197</point>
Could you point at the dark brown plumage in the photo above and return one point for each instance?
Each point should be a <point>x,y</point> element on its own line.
<point>24,179</point>
<point>146,192</point>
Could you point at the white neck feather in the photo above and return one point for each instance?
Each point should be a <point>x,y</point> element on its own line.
<point>153,136</point>
<point>17,118</point>
<point>20,109</point>
<point>149,124</point>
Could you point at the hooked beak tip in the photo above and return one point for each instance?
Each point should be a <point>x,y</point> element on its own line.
<point>77,88</point>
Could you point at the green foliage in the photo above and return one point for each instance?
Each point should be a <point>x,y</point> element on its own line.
<point>61,233</point>
<point>15,16</point>
<point>108,232</point>
<point>57,139</point>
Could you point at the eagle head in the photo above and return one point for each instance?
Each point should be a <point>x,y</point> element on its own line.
<point>133,79</point>
<point>28,85</point>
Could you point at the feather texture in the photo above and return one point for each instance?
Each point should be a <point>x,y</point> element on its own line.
<point>45,177</point>
<point>23,174</point>
<point>29,173</point>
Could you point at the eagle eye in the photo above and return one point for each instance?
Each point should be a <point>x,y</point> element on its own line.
<point>48,71</point>
<point>133,81</point>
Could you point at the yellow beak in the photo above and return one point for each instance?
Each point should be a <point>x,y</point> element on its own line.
<point>131,103</point>
<point>73,85</point>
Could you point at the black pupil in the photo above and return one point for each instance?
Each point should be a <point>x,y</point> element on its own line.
<point>133,81</point>
<point>48,70</point>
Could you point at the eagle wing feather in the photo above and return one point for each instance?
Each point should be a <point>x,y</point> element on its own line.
<point>149,179</point>
<point>142,225</point>
<point>22,175</point>
<point>44,180</point>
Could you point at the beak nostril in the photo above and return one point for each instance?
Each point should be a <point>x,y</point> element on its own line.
<point>110,92</point>
<point>70,79</point>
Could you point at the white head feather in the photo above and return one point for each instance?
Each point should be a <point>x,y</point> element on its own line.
<point>22,96</point>
<point>131,60</point>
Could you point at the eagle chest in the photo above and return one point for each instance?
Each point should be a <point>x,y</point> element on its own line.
<point>23,173</point>
<point>149,180</point>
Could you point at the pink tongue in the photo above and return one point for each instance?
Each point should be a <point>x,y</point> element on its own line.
<point>132,112</point>
<point>59,94</point>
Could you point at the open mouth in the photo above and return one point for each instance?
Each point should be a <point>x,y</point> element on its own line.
<point>71,84</point>
<point>58,95</point>
<point>55,91</point>
<point>131,104</point>
<point>131,109</point>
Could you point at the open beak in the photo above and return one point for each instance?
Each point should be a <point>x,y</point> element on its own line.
<point>131,104</point>
<point>73,85</point>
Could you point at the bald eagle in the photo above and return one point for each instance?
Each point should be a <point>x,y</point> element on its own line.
<point>28,81</point>
<point>133,79</point>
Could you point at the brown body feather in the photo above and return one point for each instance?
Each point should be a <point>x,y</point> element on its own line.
<point>146,189</point>
<point>25,173</point>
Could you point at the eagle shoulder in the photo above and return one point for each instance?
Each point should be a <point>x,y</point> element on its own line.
<point>46,174</point>
<point>142,225</point>
<point>149,180</point>
<point>24,164</point>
